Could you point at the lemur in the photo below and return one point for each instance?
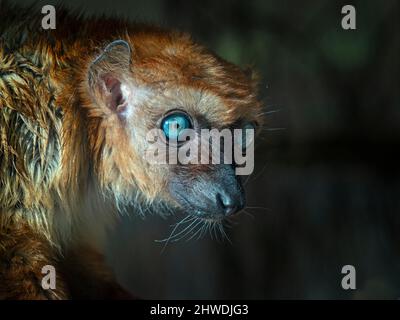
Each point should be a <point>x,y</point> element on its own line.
<point>75,105</point>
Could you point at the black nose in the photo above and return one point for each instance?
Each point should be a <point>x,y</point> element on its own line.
<point>229,204</point>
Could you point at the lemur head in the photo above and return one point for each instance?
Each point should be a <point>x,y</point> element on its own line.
<point>164,81</point>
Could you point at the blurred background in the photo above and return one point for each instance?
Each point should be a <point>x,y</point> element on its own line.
<point>326,184</point>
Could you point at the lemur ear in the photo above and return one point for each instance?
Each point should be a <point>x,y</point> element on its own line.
<point>107,74</point>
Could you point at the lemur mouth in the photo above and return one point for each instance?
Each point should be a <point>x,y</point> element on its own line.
<point>210,211</point>
<point>215,195</point>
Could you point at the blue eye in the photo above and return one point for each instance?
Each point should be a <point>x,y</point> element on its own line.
<point>173,125</point>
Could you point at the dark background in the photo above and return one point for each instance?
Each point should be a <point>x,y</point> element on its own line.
<point>326,164</point>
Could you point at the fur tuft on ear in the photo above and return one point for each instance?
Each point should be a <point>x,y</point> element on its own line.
<point>107,73</point>
<point>113,51</point>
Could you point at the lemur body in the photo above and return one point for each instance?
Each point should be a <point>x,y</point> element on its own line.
<point>75,104</point>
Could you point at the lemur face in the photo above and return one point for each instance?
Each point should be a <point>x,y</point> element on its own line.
<point>171,88</point>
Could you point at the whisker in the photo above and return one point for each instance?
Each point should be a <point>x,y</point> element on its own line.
<point>196,223</point>
<point>259,173</point>
<point>273,129</point>
<point>214,228</point>
<point>247,179</point>
<point>259,208</point>
<point>233,221</point>
<point>223,233</point>
<point>171,236</point>
<point>249,214</point>
<point>197,232</point>
<point>203,231</point>
<point>229,223</point>
<point>176,226</point>
<point>209,227</point>
<point>271,111</point>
